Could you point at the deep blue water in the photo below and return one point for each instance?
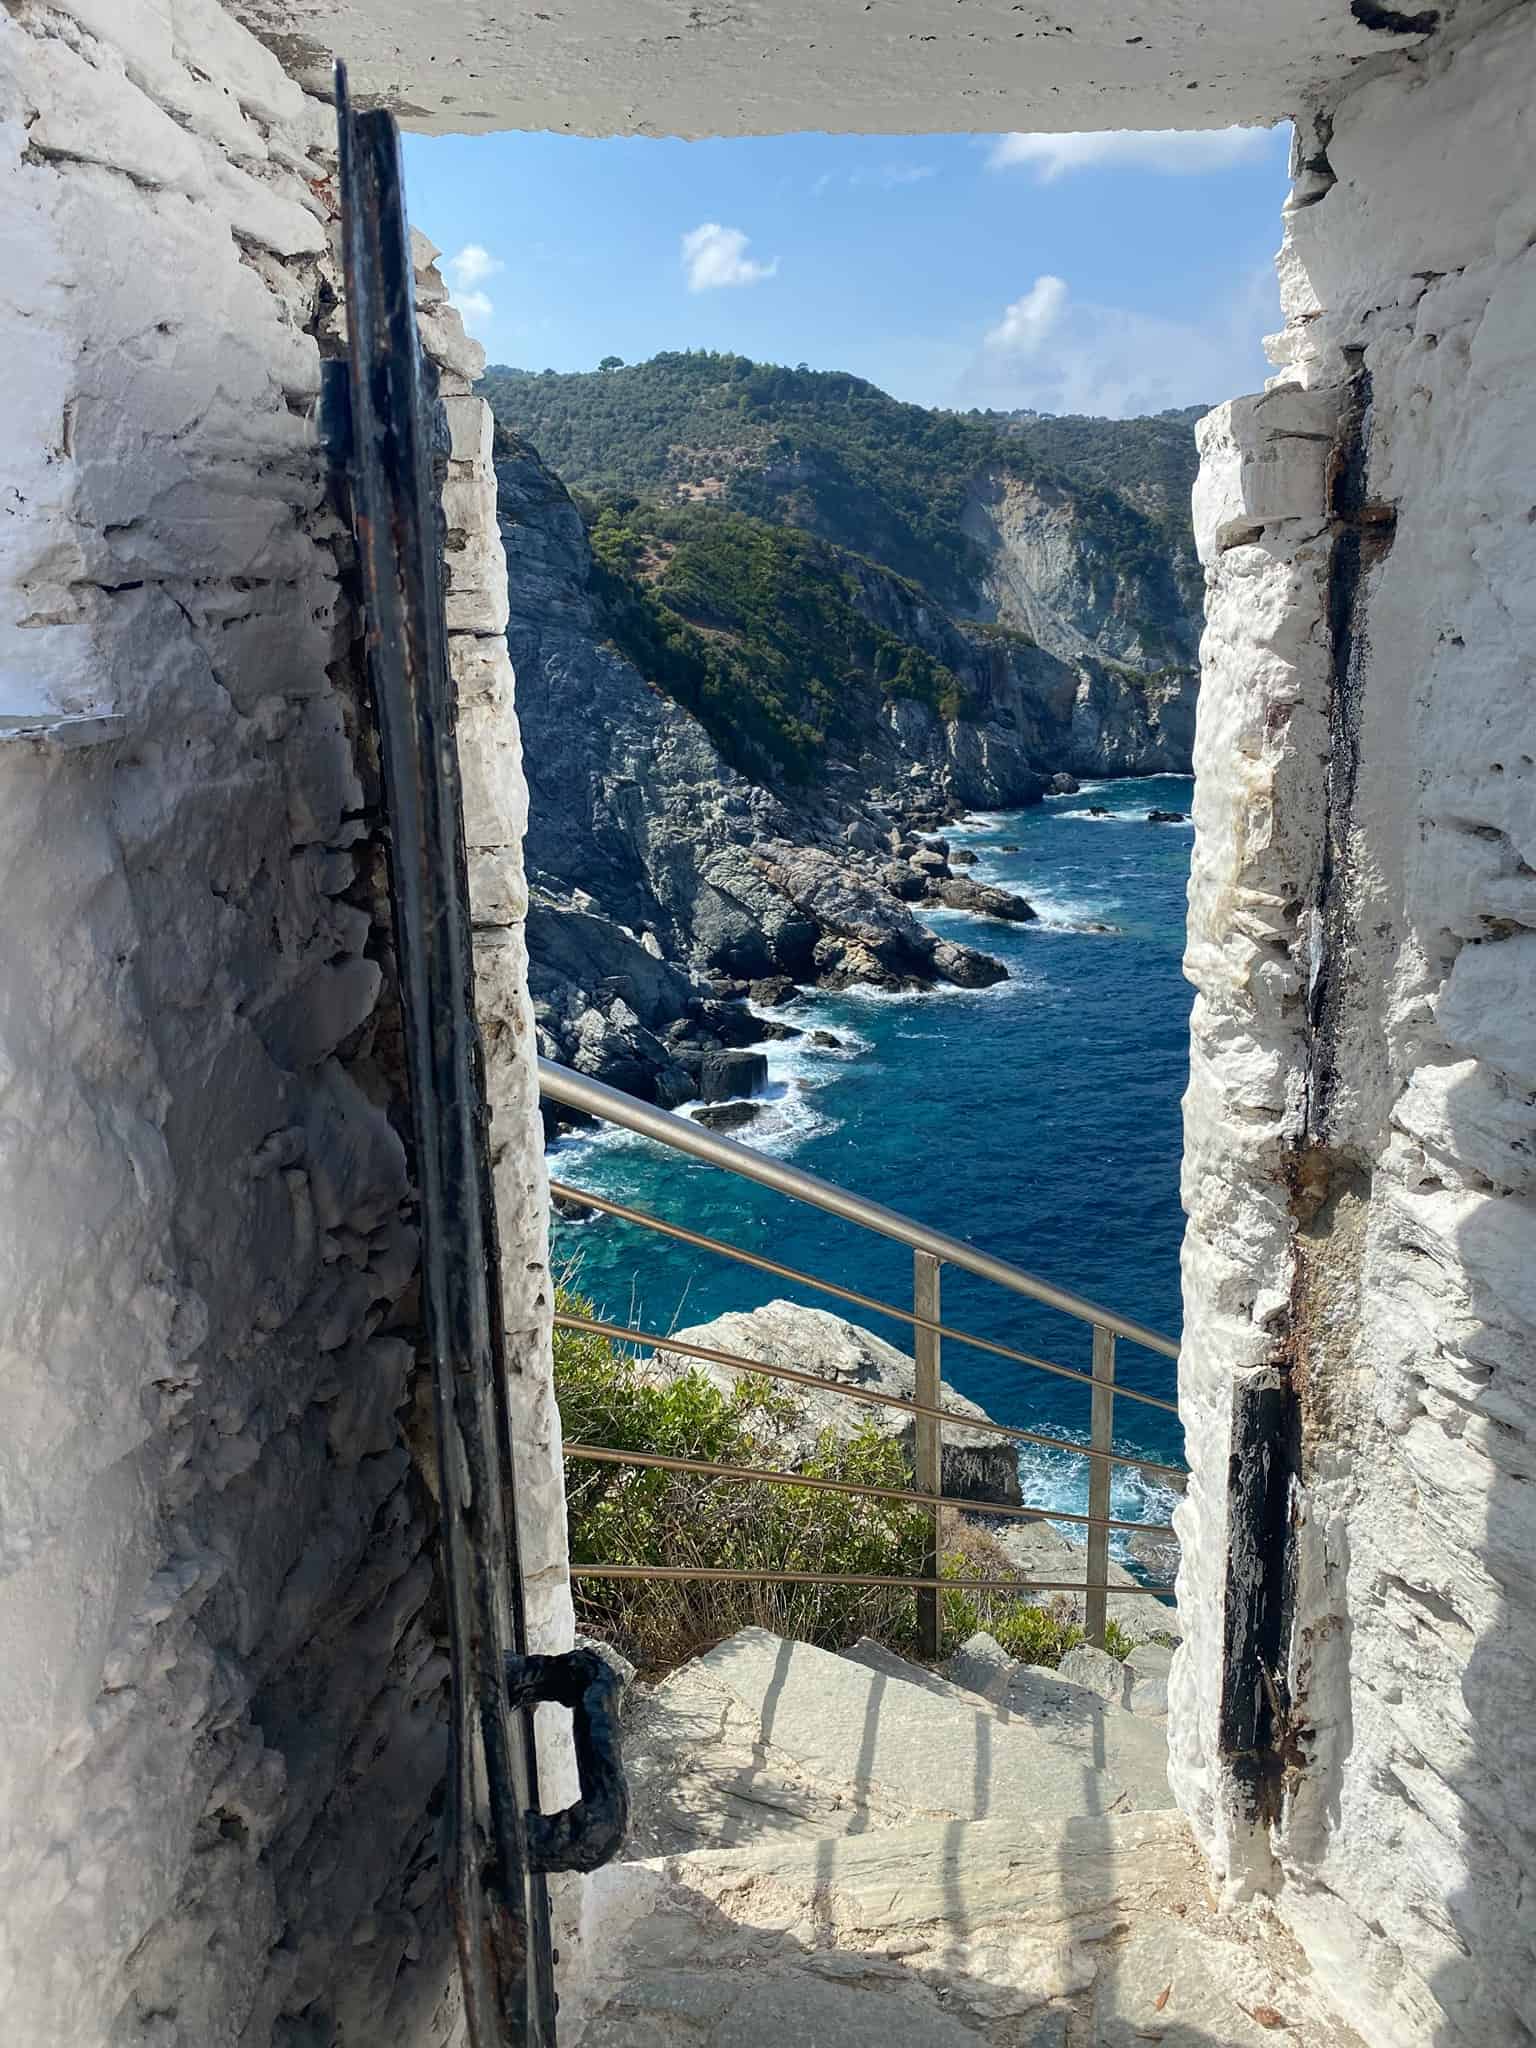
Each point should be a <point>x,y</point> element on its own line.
<point>1038,1119</point>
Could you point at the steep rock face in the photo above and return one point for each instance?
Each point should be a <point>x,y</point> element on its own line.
<point>1051,571</point>
<point>646,847</point>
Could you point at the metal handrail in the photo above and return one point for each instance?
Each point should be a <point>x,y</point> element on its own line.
<point>567,1192</point>
<point>709,1468</point>
<point>711,1354</point>
<point>931,1250</point>
<point>682,1134</point>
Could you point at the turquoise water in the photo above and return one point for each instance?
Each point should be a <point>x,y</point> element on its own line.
<point>1038,1119</point>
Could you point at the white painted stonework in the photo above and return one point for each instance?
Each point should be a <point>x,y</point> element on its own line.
<point>744,67</point>
<point>221,1689</point>
<point>1361,1211</point>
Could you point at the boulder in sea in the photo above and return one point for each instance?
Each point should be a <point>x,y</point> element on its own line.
<point>1097,811</point>
<point>724,1076</point>
<point>1065,785</point>
<point>965,968</point>
<point>773,990</point>
<point>1012,846</point>
<point>962,857</point>
<point>1166,818</point>
<point>977,1466</point>
<point>959,893</point>
<point>827,1039</point>
<point>929,861</point>
<point>727,1024</point>
<point>727,1116</point>
<point>571,1211</point>
<point>775,1028</point>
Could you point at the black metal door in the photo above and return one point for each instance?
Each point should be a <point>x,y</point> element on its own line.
<point>385,425</point>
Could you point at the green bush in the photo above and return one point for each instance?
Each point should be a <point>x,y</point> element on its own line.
<point>622,1514</point>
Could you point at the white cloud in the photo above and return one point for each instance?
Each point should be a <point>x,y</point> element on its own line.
<point>1028,322</point>
<point>473,265</point>
<point>1175,150</point>
<point>714,256</point>
<point>475,309</point>
<point>1054,353</point>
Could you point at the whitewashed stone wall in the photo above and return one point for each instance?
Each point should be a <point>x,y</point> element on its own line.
<point>1360,1174</point>
<point>221,1684</point>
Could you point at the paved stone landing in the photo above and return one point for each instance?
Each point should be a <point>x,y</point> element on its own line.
<point>851,1852</point>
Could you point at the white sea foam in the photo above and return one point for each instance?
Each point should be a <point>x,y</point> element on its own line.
<point>1057,1479</point>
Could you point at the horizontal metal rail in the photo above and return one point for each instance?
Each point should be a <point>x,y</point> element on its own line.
<point>704,1468</point>
<point>732,1576</point>
<point>620,1333</point>
<point>567,1192</point>
<point>682,1134</point>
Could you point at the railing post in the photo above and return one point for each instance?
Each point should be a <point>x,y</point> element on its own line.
<point>1101,1435</point>
<point>928,1441</point>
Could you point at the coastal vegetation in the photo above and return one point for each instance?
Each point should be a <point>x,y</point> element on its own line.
<point>634,1515</point>
<point>833,454</point>
<point>753,627</point>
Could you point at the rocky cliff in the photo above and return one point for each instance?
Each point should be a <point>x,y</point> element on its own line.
<point>734,732</point>
<point>663,880</point>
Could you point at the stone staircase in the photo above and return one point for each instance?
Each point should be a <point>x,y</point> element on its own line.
<point>854,1852</point>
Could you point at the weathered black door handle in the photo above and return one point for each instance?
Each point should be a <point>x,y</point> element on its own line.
<point>590,1833</point>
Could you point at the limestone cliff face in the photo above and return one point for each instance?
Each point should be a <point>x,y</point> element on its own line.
<point>664,877</point>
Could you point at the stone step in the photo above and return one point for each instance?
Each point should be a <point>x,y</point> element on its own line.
<point>1094,1930</point>
<point>701,1773</point>
<point>895,1742</point>
<point>1090,1731</point>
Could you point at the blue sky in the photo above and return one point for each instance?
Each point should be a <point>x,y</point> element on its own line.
<point>1097,273</point>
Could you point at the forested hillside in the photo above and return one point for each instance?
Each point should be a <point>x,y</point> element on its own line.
<point>830,453</point>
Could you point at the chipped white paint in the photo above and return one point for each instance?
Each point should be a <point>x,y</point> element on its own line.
<point>221,1696</point>
<point>220,1702</point>
<point>1408,1300</point>
<point>724,67</point>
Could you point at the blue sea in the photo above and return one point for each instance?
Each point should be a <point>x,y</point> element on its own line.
<point>1038,1119</point>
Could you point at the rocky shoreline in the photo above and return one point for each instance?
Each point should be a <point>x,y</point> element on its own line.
<point>665,886</point>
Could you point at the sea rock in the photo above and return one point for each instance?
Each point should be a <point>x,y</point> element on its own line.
<point>1157,1555</point>
<point>728,1024</point>
<point>938,846</point>
<point>963,857</point>
<point>1039,1550</point>
<point>904,881</point>
<point>828,1039</point>
<point>929,861</point>
<point>1166,818</point>
<point>774,990</point>
<point>977,1465</point>
<point>961,894</point>
<point>723,1076</point>
<point>1063,784</point>
<point>965,968</point>
<point>727,1116</point>
<point>774,1028</point>
<point>1097,811</point>
<point>1011,846</point>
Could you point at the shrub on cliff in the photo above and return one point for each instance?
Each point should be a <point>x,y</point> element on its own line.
<point>636,1515</point>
